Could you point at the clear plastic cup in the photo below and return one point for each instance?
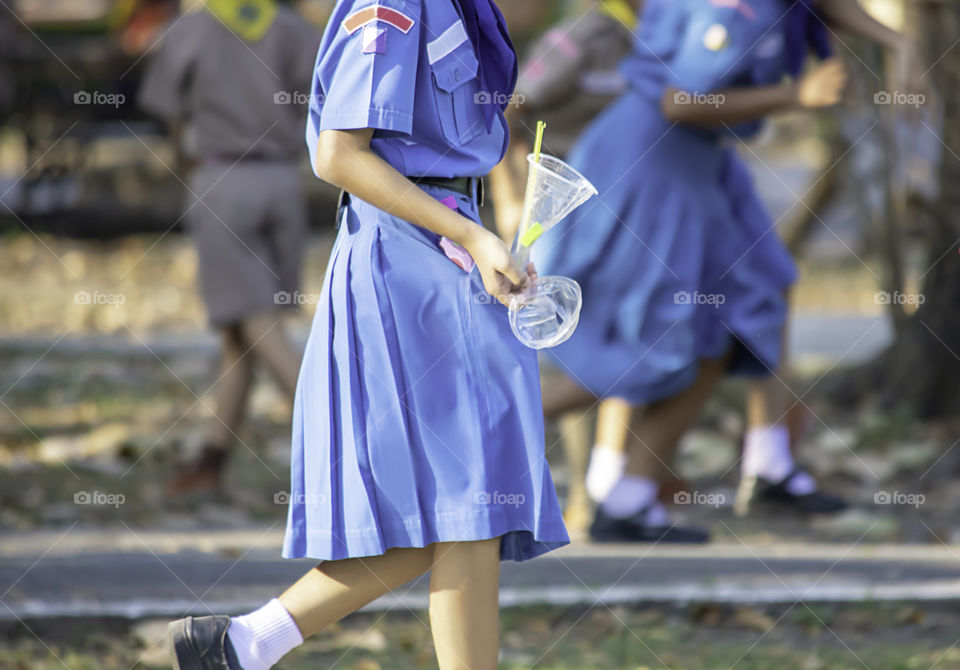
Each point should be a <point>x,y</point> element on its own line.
<point>547,313</point>
<point>554,189</point>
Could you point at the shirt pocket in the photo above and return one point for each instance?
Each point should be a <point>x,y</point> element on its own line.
<point>458,96</point>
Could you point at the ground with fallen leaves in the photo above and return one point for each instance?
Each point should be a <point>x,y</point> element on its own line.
<point>886,636</point>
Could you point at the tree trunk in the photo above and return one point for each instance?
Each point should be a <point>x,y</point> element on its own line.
<point>921,370</point>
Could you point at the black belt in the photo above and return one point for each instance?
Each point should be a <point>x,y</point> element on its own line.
<point>463,185</point>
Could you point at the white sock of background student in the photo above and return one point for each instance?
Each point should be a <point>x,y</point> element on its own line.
<point>766,454</point>
<point>605,469</point>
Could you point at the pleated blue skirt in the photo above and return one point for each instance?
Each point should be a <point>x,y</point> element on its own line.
<point>677,257</point>
<point>418,416</point>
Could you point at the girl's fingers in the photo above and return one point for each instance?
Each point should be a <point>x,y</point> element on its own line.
<point>513,275</point>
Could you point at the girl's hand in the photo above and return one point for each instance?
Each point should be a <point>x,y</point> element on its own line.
<point>532,273</point>
<point>823,86</point>
<point>501,276</point>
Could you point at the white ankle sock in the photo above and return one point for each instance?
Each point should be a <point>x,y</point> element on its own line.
<point>606,466</point>
<point>766,453</point>
<point>264,636</point>
<point>630,495</point>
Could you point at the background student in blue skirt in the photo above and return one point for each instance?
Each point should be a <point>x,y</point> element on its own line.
<point>418,432</point>
<point>683,274</point>
<point>570,75</point>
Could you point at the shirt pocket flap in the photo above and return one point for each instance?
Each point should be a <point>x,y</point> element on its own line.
<point>455,69</point>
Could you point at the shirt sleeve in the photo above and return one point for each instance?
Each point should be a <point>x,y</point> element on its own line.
<point>163,89</point>
<point>366,70</point>
<point>715,48</point>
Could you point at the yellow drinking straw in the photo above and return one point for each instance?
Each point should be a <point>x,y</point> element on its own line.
<point>531,234</point>
<point>538,143</point>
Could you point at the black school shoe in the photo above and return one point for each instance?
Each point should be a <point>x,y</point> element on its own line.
<point>200,643</point>
<point>606,528</point>
<point>757,491</point>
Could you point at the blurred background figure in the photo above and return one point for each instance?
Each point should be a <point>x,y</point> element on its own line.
<point>7,82</point>
<point>671,303</point>
<point>224,79</point>
<point>569,76</point>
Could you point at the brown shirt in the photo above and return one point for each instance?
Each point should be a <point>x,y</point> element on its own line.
<point>236,98</point>
<point>571,75</point>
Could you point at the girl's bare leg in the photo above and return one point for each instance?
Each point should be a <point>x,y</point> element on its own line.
<point>335,589</point>
<point>464,604</point>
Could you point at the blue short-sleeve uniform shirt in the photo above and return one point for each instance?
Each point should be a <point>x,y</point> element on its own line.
<point>407,69</point>
<point>702,46</point>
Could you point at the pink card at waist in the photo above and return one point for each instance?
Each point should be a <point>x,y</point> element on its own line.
<point>454,251</point>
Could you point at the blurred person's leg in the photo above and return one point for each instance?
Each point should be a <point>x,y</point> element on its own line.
<point>231,391</point>
<point>285,238</point>
<point>268,339</point>
<point>576,435</point>
<point>608,455</point>
<point>232,388</point>
<point>631,510</point>
<point>249,226</point>
<point>571,405</point>
<point>562,394</point>
<point>768,470</point>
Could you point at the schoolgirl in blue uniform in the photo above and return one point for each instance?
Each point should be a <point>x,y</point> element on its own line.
<point>682,271</point>
<point>418,433</point>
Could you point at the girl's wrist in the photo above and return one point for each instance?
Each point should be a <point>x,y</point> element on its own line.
<point>472,235</point>
<point>466,233</point>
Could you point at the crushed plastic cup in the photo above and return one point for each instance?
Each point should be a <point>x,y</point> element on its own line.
<point>547,313</point>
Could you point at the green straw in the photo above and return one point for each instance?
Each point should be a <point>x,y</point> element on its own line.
<point>538,144</point>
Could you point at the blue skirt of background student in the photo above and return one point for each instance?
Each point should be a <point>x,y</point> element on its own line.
<point>677,258</point>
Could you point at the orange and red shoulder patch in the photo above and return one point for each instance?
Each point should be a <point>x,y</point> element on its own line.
<point>368,15</point>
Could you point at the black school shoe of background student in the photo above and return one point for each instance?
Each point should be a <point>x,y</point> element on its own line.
<point>606,528</point>
<point>201,643</point>
<point>755,492</point>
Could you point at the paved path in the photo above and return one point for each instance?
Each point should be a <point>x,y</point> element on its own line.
<point>140,574</point>
<point>815,339</point>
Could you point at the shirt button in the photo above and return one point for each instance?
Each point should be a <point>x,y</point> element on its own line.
<point>456,74</point>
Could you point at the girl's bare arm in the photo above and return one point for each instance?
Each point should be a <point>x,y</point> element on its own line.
<point>344,158</point>
<point>821,87</point>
